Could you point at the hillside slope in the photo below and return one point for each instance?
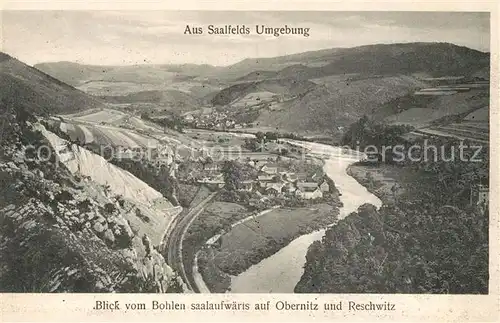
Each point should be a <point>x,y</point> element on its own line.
<point>77,74</point>
<point>82,162</point>
<point>333,105</point>
<point>69,220</point>
<point>22,86</point>
<point>61,232</point>
<point>175,101</point>
<point>436,59</point>
<point>328,90</point>
<point>285,86</point>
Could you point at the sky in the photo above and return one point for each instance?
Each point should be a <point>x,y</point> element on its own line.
<point>157,37</point>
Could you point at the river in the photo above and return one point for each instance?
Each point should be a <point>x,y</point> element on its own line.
<point>280,272</point>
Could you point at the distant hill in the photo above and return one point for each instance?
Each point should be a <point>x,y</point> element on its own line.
<point>77,74</point>
<point>176,101</point>
<point>275,64</point>
<point>179,88</point>
<point>437,59</point>
<point>333,88</point>
<point>22,86</point>
<point>278,86</point>
<point>307,92</point>
<point>337,104</point>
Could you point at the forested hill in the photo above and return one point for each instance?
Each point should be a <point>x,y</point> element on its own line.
<point>25,87</point>
<point>396,251</point>
<point>429,240</point>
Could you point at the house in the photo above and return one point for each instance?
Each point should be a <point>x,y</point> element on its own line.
<point>212,183</point>
<point>290,177</point>
<point>260,163</point>
<point>272,191</point>
<point>308,190</point>
<point>211,167</point>
<point>324,187</point>
<point>189,118</point>
<point>479,195</point>
<point>269,169</point>
<point>264,180</point>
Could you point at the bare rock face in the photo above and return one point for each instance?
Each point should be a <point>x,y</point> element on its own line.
<point>108,235</point>
<point>57,236</point>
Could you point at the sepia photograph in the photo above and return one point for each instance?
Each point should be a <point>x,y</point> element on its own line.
<point>229,152</point>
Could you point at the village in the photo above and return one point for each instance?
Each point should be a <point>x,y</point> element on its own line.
<point>271,179</point>
<point>209,118</point>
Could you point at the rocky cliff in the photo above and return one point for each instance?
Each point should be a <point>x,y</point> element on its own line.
<point>61,231</point>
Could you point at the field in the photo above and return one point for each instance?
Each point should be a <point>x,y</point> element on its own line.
<point>384,181</point>
<point>109,127</point>
<point>105,135</point>
<point>220,140</point>
<point>253,98</point>
<point>99,88</point>
<point>421,111</point>
<point>482,114</point>
<point>117,88</point>
<point>216,217</point>
<point>250,242</point>
<point>474,132</point>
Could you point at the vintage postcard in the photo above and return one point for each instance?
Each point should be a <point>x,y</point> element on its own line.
<point>249,163</point>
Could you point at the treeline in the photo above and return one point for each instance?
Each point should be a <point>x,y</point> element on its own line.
<point>366,132</point>
<point>401,250</point>
<point>173,121</point>
<point>158,177</point>
<point>429,240</point>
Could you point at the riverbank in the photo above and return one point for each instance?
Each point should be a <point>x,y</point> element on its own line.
<point>216,218</point>
<point>281,272</point>
<point>387,182</point>
<point>249,243</point>
<point>414,245</point>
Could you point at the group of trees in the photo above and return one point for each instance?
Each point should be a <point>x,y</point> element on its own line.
<point>158,177</point>
<point>401,249</point>
<point>172,121</point>
<point>366,132</point>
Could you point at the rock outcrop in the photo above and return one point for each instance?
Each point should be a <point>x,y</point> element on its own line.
<point>63,232</point>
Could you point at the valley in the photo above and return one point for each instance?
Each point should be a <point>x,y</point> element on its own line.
<point>200,178</point>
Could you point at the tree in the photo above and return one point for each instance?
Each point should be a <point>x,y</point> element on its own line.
<point>260,136</point>
<point>251,144</point>
<point>271,135</point>
<point>233,175</point>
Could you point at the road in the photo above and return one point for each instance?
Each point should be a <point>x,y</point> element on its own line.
<point>173,245</point>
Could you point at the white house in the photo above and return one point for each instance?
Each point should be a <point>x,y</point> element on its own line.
<point>308,190</point>
<point>324,187</point>
<point>189,118</point>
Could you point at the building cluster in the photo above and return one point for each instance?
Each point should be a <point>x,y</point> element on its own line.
<point>272,181</point>
<point>209,118</point>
